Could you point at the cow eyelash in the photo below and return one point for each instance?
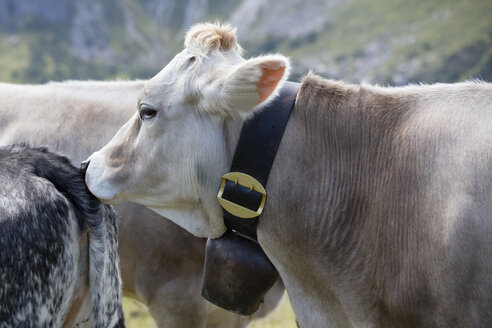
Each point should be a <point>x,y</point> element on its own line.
<point>190,62</point>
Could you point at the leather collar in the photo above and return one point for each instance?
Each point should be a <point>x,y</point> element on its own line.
<point>242,191</point>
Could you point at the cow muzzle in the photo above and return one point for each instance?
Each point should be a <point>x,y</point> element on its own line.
<point>237,274</point>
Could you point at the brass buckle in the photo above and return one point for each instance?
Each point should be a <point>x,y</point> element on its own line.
<point>245,181</point>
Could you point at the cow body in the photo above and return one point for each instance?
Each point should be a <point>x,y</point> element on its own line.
<point>58,259</point>
<point>397,227</point>
<point>161,263</point>
<point>379,201</point>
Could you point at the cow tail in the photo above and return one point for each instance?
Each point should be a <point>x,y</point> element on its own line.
<point>104,273</point>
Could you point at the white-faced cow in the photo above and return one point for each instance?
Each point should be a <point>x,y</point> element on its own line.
<point>379,209</point>
<point>58,246</point>
<point>161,264</point>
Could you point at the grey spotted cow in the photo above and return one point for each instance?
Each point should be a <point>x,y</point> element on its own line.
<point>58,245</point>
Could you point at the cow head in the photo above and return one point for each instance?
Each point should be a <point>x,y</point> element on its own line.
<point>171,154</point>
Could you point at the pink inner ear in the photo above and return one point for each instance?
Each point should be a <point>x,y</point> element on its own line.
<point>272,72</point>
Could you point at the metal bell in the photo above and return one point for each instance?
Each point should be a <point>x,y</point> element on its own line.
<point>237,273</point>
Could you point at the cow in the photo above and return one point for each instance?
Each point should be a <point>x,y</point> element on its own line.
<point>379,201</point>
<point>58,245</point>
<point>161,263</point>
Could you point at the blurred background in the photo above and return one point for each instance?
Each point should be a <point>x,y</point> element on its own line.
<point>378,41</point>
<point>392,42</point>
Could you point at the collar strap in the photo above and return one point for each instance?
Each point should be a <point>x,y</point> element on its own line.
<point>242,192</point>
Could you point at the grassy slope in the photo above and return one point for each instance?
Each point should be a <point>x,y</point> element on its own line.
<point>37,58</point>
<point>450,39</point>
<point>421,40</point>
<point>12,70</point>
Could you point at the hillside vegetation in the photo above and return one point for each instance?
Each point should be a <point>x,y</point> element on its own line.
<point>393,42</point>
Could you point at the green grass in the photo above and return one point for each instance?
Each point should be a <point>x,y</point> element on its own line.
<point>137,316</point>
<point>283,317</point>
<point>452,38</point>
<point>13,48</point>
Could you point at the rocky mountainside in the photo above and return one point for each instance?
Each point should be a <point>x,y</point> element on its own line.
<point>392,42</point>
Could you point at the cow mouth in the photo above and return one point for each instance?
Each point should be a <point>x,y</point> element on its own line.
<point>115,200</point>
<point>104,194</point>
<point>112,201</point>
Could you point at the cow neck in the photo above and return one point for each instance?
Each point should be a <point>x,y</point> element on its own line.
<point>255,152</point>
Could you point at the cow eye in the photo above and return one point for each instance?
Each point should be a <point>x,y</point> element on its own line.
<point>146,113</point>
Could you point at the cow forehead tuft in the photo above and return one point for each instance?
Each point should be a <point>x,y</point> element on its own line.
<point>206,37</point>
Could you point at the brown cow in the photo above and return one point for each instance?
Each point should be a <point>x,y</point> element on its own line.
<point>379,204</point>
<point>161,264</point>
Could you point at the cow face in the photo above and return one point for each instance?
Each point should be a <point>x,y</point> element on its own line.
<point>171,154</point>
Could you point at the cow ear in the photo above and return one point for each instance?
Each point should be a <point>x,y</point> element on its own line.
<point>253,83</point>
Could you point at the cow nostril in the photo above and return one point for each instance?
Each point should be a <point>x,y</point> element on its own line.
<point>84,165</point>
